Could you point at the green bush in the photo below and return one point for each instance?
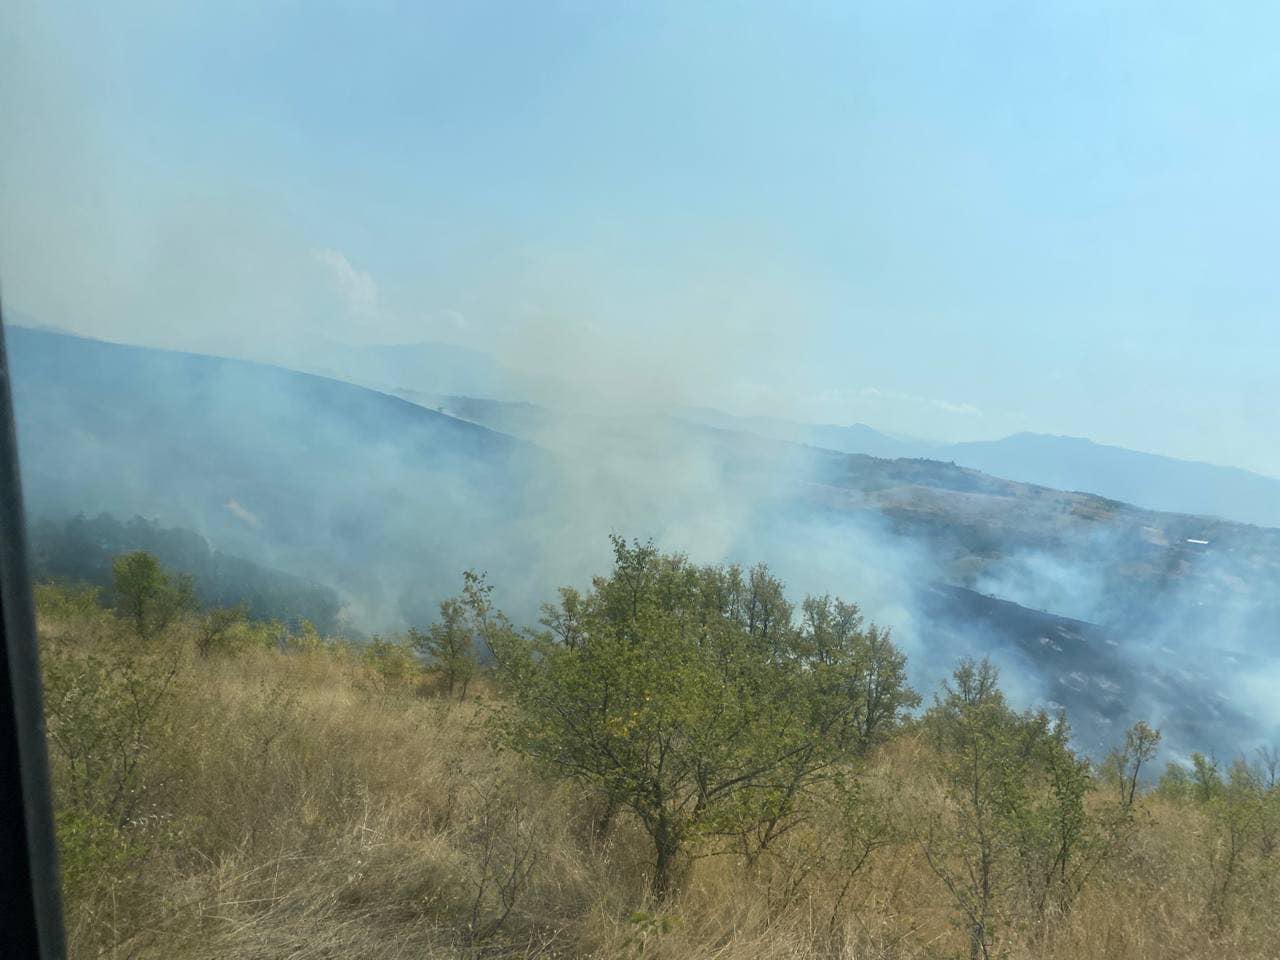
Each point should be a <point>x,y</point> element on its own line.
<point>394,661</point>
<point>1015,843</point>
<point>67,601</point>
<point>449,644</point>
<point>109,713</point>
<point>689,696</point>
<point>146,595</point>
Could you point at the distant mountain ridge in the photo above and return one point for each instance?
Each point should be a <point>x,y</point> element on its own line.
<point>462,380</point>
<point>424,365</point>
<point>1148,480</point>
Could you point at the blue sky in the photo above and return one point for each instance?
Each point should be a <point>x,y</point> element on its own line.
<point>948,220</point>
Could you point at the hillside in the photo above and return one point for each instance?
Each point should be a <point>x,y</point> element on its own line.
<point>429,365</point>
<point>1065,463</point>
<point>1093,557</point>
<point>319,802</point>
<point>313,476</point>
<point>387,501</point>
<point>1181,607</point>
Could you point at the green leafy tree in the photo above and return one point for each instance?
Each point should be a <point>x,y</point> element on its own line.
<point>449,646</point>
<point>853,681</point>
<point>1268,776</point>
<point>217,627</point>
<point>305,639</point>
<point>1237,808</point>
<point>1206,779</point>
<point>392,660</point>
<point>108,713</point>
<point>147,596</point>
<point>687,695</point>
<point>1175,783</point>
<point>1015,841</point>
<point>1123,767</point>
<point>1241,813</point>
<point>856,665</point>
<point>66,601</point>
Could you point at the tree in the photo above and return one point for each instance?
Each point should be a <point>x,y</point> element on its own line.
<point>1242,820</point>
<point>1268,777</point>
<point>215,628</point>
<point>853,680</point>
<point>1236,808</point>
<point>109,712</point>
<point>1016,833</point>
<point>1174,783</point>
<point>146,595</point>
<point>392,660</point>
<point>1268,766</point>
<point>859,665</point>
<point>1206,781</point>
<point>687,695</point>
<point>1124,766</point>
<point>469,624</point>
<point>449,646</point>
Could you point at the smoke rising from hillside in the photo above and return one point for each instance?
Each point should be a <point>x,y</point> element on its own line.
<point>610,328</point>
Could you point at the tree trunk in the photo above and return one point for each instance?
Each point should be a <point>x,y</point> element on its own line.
<point>666,844</point>
<point>978,942</point>
<point>603,825</point>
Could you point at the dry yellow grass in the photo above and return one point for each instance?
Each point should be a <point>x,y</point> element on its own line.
<point>300,806</point>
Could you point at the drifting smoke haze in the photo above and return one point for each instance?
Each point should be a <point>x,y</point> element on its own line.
<point>387,501</point>
<point>501,364</point>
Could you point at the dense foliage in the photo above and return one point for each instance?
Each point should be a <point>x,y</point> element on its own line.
<point>690,696</point>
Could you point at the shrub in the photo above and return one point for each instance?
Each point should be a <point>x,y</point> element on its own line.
<point>392,660</point>
<point>67,601</point>
<point>107,713</point>
<point>1014,841</point>
<point>449,645</point>
<point>217,629</point>
<point>687,695</point>
<point>146,595</point>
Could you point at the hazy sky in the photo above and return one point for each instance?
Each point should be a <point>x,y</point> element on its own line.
<point>954,220</point>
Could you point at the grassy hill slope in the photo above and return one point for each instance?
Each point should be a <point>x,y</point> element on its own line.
<point>318,802</point>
